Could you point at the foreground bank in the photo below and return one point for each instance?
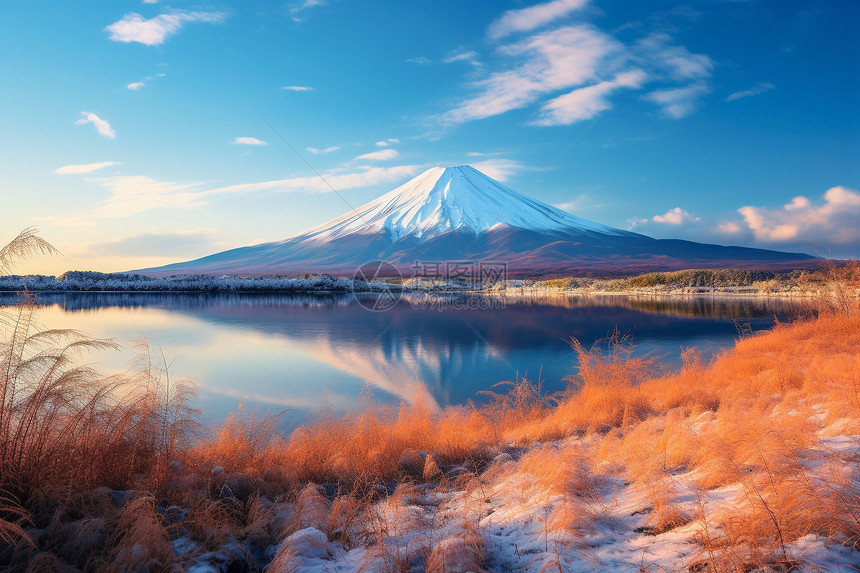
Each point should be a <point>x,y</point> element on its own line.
<point>750,461</point>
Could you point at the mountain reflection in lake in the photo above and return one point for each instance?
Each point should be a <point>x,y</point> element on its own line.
<point>308,354</point>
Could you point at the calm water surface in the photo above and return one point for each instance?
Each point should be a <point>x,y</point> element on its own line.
<point>309,354</point>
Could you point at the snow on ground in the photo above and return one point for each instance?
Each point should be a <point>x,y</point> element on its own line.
<point>521,515</point>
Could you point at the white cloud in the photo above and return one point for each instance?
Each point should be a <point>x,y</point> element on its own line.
<point>135,28</point>
<point>527,19</point>
<point>298,9</point>
<point>676,216</point>
<point>729,227</point>
<point>131,194</point>
<point>340,181</point>
<point>835,221</point>
<point>381,155</point>
<point>753,91</point>
<point>499,169</point>
<point>316,151</point>
<point>134,86</point>
<point>387,142</point>
<point>83,168</point>
<point>420,60</point>
<point>464,56</point>
<point>102,126</point>
<point>676,62</point>
<point>297,88</point>
<point>249,141</point>
<point>578,203</point>
<point>554,60</point>
<point>585,103</point>
<point>679,102</point>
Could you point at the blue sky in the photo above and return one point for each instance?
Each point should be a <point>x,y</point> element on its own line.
<point>141,133</point>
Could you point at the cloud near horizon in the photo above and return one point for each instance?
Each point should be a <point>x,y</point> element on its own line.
<point>133,27</point>
<point>833,222</point>
<point>676,216</point>
<point>828,227</point>
<point>169,244</point>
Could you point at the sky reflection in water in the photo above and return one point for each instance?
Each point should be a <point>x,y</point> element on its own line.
<point>306,354</point>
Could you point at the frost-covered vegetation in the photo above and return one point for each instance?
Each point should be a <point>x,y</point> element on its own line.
<point>691,281</point>
<point>89,281</point>
<point>717,281</point>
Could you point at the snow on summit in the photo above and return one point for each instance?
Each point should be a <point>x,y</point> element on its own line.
<point>444,199</point>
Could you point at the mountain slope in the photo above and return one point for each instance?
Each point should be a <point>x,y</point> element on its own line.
<point>459,214</point>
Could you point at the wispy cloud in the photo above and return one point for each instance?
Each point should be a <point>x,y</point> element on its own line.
<point>527,19</point>
<point>753,91</point>
<point>131,194</point>
<point>179,243</point>
<point>585,103</point>
<point>500,169</point>
<point>579,203</point>
<point>340,181</point>
<point>134,86</point>
<point>133,27</point>
<point>588,63</point>
<point>676,216</point>
<point>420,60</point>
<point>102,126</point>
<point>463,56</point>
<point>296,10</point>
<point>677,63</point>
<point>297,88</point>
<point>679,102</point>
<point>554,60</point>
<point>381,155</point>
<point>249,141</point>
<point>83,168</point>
<point>316,151</point>
<point>387,142</point>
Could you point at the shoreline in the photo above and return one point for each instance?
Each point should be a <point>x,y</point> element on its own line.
<point>510,292</point>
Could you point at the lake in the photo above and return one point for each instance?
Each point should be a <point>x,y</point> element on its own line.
<point>312,354</point>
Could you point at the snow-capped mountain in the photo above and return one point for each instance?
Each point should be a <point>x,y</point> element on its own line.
<point>460,214</point>
<point>445,199</point>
